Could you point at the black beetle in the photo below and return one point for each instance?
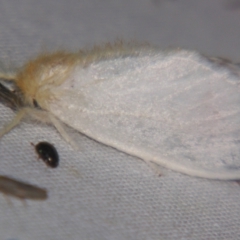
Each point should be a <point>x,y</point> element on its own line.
<point>48,153</point>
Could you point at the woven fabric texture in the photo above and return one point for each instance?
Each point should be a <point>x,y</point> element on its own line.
<point>99,193</point>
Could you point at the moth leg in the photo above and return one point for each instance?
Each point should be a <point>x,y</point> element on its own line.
<point>37,114</point>
<point>62,131</point>
<point>16,120</point>
<point>46,117</point>
<point>41,116</point>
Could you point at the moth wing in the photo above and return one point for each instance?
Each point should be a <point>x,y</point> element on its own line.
<point>176,109</point>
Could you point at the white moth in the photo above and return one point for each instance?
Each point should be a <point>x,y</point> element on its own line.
<point>175,108</point>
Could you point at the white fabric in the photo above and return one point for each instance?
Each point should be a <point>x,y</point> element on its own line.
<point>99,192</point>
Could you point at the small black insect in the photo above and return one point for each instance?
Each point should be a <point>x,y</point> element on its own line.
<point>48,153</point>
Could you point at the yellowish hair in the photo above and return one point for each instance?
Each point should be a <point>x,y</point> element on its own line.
<point>39,76</point>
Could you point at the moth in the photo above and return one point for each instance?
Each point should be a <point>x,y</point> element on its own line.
<point>175,108</point>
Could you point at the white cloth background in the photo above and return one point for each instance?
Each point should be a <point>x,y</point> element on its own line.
<point>100,193</point>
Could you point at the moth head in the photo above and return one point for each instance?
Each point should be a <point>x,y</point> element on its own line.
<point>39,78</point>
